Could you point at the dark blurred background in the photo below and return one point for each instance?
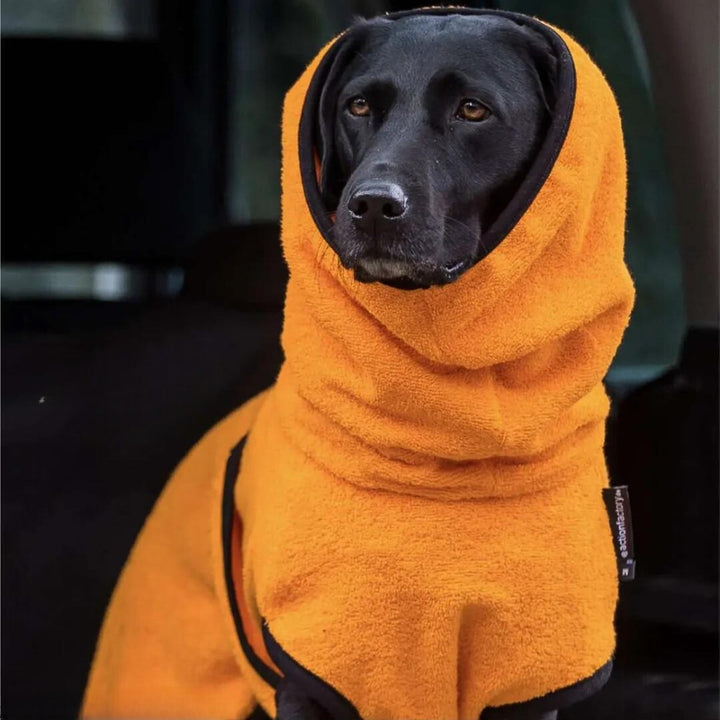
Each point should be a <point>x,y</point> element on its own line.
<point>142,290</point>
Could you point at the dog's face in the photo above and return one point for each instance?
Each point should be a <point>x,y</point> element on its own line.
<point>427,126</point>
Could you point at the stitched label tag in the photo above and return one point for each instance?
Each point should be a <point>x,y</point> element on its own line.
<point>617,502</point>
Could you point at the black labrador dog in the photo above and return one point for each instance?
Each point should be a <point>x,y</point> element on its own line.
<point>425,132</point>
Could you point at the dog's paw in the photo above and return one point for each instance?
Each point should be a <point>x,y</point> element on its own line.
<point>293,704</point>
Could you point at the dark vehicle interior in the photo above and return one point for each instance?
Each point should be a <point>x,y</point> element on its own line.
<point>143,286</point>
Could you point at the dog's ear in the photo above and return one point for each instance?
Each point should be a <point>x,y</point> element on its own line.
<point>349,47</point>
<point>545,63</point>
<point>331,180</point>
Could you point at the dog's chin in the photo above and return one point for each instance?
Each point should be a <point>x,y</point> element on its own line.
<point>404,275</point>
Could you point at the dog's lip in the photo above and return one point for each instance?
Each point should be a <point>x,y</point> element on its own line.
<point>455,268</point>
<point>405,283</point>
<point>405,276</point>
<point>385,268</point>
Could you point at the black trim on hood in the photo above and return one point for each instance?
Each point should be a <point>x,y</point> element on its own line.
<point>539,170</point>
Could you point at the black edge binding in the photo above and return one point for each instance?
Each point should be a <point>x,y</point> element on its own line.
<point>553,700</point>
<point>321,692</point>
<point>228,510</point>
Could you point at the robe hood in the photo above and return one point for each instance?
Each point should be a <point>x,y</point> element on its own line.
<point>452,391</point>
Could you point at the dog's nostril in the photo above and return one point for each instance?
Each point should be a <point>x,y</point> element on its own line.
<point>357,206</point>
<point>392,209</point>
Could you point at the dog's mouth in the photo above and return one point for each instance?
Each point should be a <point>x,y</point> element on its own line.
<point>404,275</point>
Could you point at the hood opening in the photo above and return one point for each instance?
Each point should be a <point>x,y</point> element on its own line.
<point>538,171</point>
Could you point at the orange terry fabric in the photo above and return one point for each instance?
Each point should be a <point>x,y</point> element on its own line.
<point>420,492</point>
<point>167,647</point>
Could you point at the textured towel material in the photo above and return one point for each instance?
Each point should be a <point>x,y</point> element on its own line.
<point>420,512</point>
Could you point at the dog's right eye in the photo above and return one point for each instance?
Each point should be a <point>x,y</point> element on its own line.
<point>359,106</point>
<point>472,110</point>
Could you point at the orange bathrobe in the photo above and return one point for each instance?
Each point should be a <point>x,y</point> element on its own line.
<point>410,524</point>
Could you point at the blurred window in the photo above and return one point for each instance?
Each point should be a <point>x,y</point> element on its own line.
<point>272,42</point>
<point>78,18</point>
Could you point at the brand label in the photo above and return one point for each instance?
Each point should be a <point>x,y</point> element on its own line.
<point>617,502</point>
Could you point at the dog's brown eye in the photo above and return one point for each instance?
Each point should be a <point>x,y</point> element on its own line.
<point>359,106</point>
<point>472,110</point>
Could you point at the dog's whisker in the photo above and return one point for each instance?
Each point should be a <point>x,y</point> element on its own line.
<point>461,224</point>
<point>476,234</point>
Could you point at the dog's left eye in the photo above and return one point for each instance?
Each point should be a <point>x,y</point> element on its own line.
<point>359,106</point>
<point>472,110</point>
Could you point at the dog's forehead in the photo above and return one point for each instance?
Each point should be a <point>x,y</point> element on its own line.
<point>468,42</point>
<point>435,26</point>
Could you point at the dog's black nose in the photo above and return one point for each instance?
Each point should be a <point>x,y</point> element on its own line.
<point>377,201</point>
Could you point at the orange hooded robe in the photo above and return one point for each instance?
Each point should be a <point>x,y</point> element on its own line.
<point>410,524</point>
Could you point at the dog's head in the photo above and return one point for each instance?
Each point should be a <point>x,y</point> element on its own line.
<point>426,126</point>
